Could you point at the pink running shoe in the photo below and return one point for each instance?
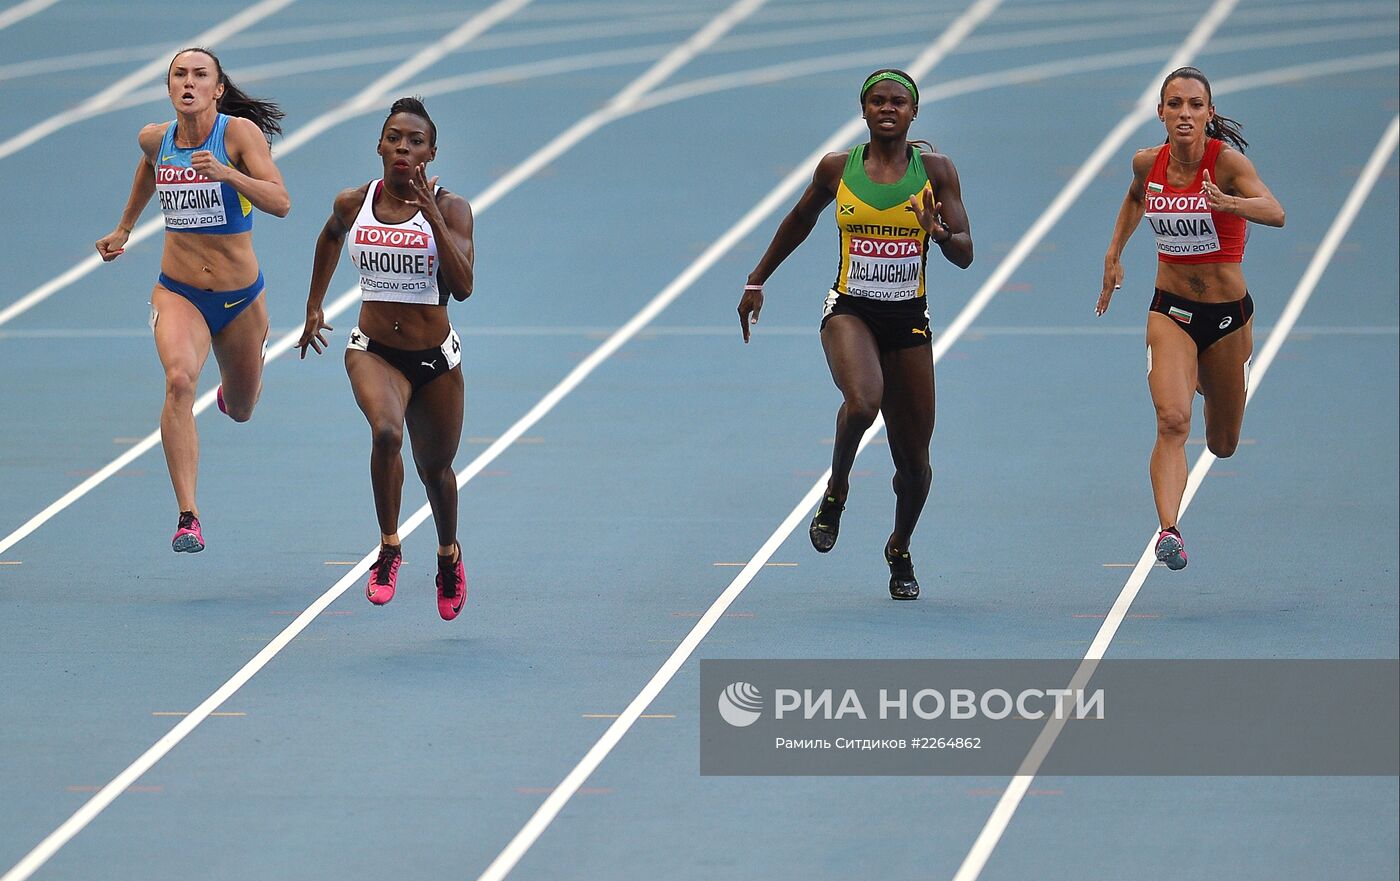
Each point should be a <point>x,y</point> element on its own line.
<point>451,585</point>
<point>1170,549</point>
<point>189,538</point>
<point>384,575</point>
<point>219,399</point>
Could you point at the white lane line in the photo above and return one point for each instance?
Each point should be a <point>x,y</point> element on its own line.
<point>623,100</point>
<point>1006,806</point>
<point>1042,70</point>
<point>133,772</point>
<point>21,11</point>
<point>454,40</point>
<point>137,77</point>
<point>543,816</point>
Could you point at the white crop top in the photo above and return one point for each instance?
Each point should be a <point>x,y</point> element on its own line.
<point>397,262</point>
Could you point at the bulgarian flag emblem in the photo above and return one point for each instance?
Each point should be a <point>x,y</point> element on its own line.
<point>1156,188</point>
<point>1179,314</point>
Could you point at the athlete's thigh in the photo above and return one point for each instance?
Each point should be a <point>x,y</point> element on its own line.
<point>1223,377</point>
<point>435,419</point>
<point>908,406</point>
<point>239,350</point>
<point>381,391</point>
<point>1171,364</point>
<point>181,334</point>
<point>853,357</point>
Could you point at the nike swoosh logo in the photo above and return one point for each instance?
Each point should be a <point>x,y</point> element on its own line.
<point>235,303</point>
<point>163,158</point>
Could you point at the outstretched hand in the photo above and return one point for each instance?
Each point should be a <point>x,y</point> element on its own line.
<point>311,334</point>
<point>1112,281</point>
<point>749,306</point>
<point>423,194</point>
<point>1216,198</point>
<point>926,210</point>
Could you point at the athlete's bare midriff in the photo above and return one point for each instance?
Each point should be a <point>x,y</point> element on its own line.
<point>210,262</point>
<point>1203,282</point>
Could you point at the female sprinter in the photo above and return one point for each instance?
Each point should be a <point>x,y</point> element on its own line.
<point>1197,191</point>
<point>211,167</point>
<point>411,242</point>
<point>892,200</point>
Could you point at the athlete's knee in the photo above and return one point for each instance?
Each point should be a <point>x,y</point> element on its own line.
<point>437,475</point>
<point>239,411</point>
<point>913,475</point>
<point>860,410</point>
<point>180,384</point>
<point>1173,423</point>
<point>388,437</point>
<point>1222,443</point>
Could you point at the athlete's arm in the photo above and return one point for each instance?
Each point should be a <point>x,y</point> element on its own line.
<point>328,245</point>
<point>1240,191</point>
<point>793,231</point>
<point>451,219</point>
<point>942,214</point>
<point>253,173</point>
<point>1129,216</point>
<point>143,186</point>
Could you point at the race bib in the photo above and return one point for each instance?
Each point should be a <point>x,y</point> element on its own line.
<point>884,269</point>
<point>1182,224</point>
<point>188,199</point>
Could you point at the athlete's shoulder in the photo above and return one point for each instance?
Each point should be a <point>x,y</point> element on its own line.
<point>242,132</point>
<point>830,168</point>
<point>351,197</point>
<point>1143,159</point>
<point>937,164</point>
<point>456,210</point>
<point>151,135</point>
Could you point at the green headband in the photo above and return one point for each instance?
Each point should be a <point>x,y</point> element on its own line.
<point>891,75</point>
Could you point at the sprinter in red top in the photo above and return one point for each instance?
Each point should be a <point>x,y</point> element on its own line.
<point>1197,191</point>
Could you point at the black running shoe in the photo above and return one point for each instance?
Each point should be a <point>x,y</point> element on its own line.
<point>826,523</point>
<point>903,585</point>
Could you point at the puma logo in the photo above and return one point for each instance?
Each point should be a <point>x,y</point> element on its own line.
<point>921,331</point>
<point>431,365</point>
<point>419,224</point>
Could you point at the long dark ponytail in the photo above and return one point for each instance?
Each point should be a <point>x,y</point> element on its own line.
<point>1222,127</point>
<point>266,115</point>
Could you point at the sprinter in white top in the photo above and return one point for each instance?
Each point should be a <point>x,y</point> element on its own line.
<point>411,242</point>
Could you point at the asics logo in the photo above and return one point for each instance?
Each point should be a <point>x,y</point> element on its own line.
<point>1225,322</point>
<point>235,303</point>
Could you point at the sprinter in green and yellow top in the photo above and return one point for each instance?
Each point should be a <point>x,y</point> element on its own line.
<point>894,201</point>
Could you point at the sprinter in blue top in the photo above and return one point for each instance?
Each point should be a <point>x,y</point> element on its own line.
<point>210,168</point>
